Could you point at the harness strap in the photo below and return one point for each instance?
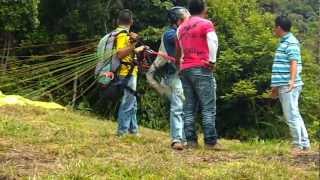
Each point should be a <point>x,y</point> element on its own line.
<point>113,33</point>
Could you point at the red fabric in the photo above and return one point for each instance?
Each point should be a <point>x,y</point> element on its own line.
<point>193,42</point>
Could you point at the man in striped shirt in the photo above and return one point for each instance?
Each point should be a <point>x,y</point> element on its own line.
<point>286,82</point>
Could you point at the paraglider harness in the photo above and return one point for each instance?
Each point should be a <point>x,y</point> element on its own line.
<point>113,87</point>
<point>110,90</point>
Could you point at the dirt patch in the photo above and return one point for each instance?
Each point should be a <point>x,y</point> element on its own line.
<point>28,161</point>
<point>303,161</point>
<point>307,159</point>
<point>21,111</point>
<point>213,158</point>
<point>5,177</point>
<point>5,144</point>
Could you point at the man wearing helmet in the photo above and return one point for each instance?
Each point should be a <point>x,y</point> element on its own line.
<point>170,85</point>
<point>197,50</point>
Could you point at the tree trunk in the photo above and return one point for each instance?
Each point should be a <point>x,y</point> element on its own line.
<point>120,4</point>
<point>3,55</point>
<point>8,41</point>
<point>111,4</point>
<point>107,16</point>
<point>8,52</point>
<point>318,45</point>
<point>75,92</point>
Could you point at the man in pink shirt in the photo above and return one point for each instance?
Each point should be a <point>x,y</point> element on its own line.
<point>197,50</point>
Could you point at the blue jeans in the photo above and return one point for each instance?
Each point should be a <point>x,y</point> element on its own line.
<point>176,107</point>
<point>290,108</point>
<point>127,114</point>
<point>199,87</point>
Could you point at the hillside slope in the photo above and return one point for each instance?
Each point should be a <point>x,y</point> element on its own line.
<point>43,144</point>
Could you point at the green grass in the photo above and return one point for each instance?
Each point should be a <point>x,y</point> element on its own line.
<point>43,144</point>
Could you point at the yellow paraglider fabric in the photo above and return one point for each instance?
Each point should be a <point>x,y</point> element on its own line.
<point>19,100</point>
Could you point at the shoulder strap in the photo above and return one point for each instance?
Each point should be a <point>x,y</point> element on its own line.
<point>114,33</point>
<point>122,31</point>
<point>132,66</point>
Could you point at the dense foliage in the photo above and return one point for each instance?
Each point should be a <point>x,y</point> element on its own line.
<point>246,52</point>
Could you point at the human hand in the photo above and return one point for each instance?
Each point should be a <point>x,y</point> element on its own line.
<point>291,86</point>
<point>212,66</point>
<point>109,75</point>
<point>163,90</point>
<point>274,93</point>
<point>140,49</point>
<point>133,37</point>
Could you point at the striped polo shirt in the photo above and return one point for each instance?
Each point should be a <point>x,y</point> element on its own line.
<point>288,50</point>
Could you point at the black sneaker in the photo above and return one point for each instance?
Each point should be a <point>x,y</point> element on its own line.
<point>306,148</point>
<point>192,145</point>
<point>216,147</point>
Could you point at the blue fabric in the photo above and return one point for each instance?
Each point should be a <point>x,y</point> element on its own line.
<point>127,114</point>
<point>174,82</point>
<point>288,50</point>
<point>290,108</point>
<point>199,87</point>
<point>169,40</point>
<point>176,107</point>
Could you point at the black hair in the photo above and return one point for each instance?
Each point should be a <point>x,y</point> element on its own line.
<point>125,17</point>
<point>196,6</point>
<point>284,22</point>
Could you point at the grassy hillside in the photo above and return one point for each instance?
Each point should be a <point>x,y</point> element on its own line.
<point>43,144</point>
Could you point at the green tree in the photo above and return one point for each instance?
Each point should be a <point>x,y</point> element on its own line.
<point>246,48</point>
<point>16,19</point>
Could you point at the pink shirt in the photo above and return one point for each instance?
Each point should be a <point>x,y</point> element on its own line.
<point>192,37</point>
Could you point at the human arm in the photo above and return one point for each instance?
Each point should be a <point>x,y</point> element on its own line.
<point>293,74</point>
<point>150,75</point>
<point>293,52</point>
<point>125,45</point>
<point>212,40</point>
<point>178,54</point>
<point>274,92</point>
